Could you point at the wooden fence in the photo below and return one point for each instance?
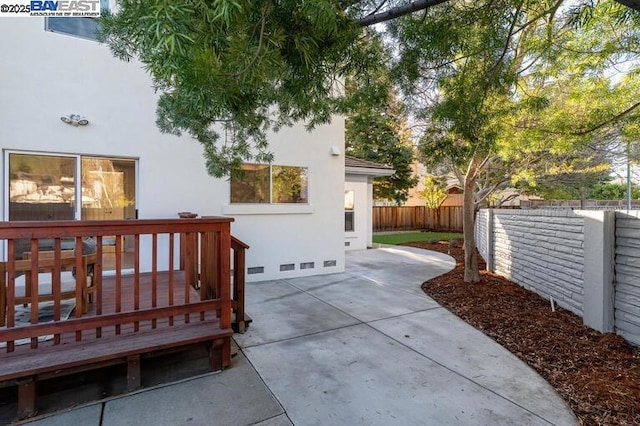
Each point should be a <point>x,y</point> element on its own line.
<point>417,217</point>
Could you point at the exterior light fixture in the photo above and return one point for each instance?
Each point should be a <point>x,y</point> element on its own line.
<point>75,120</point>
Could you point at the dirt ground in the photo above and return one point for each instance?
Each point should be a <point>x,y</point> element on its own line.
<point>597,374</point>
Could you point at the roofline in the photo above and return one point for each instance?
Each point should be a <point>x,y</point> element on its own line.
<point>368,171</point>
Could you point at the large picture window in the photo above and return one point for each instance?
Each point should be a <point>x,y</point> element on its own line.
<point>265,184</point>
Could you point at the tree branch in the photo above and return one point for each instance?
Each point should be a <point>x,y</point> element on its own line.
<point>263,20</point>
<point>609,121</point>
<point>397,12</point>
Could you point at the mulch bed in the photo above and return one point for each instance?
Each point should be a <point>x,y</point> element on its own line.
<point>597,374</point>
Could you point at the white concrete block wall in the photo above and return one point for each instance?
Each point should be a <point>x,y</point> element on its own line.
<point>482,233</point>
<point>541,250</point>
<point>627,296</point>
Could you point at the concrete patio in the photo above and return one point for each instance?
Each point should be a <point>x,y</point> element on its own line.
<point>365,347</point>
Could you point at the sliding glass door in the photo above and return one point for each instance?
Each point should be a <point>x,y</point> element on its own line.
<point>108,188</point>
<point>43,186</point>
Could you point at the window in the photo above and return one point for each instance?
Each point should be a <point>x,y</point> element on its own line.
<point>348,211</point>
<point>45,186</point>
<point>85,27</point>
<point>53,187</point>
<point>264,184</point>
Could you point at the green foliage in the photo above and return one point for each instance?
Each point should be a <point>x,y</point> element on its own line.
<point>613,191</point>
<point>411,237</point>
<point>434,192</point>
<point>376,130</point>
<point>239,68</point>
<point>568,176</point>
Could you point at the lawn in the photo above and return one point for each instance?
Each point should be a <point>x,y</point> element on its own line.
<point>413,237</point>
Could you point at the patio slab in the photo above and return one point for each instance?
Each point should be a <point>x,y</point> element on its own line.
<point>403,268</point>
<point>89,415</point>
<point>368,301</point>
<point>293,314</point>
<point>281,420</point>
<point>236,396</point>
<point>358,376</point>
<point>457,346</point>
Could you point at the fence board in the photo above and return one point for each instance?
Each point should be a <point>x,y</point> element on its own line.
<point>405,218</point>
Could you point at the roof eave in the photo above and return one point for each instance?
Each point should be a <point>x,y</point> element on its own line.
<point>369,171</point>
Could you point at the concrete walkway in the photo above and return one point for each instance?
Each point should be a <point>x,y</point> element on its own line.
<point>365,347</point>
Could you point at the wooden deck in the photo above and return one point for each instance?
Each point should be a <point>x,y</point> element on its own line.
<point>128,316</point>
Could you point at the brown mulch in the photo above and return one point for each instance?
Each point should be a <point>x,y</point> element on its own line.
<point>597,374</point>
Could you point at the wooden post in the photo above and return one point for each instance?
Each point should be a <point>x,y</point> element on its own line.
<point>239,263</point>
<point>223,280</point>
<point>27,398</point>
<point>184,241</point>
<point>133,373</point>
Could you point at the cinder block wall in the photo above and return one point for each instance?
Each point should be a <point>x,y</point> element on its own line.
<point>543,251</point>
<point>588,261</point>
<point>482,233</point>
<point>627,295</point>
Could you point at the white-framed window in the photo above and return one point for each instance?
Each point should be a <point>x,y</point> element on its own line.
<point>84,27</point>
<point>270,184</point>
<point>349,213</point>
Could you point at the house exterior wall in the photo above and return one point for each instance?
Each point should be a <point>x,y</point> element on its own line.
<point>415,197</point>
<point>360,237</point>
<point>46,75</point>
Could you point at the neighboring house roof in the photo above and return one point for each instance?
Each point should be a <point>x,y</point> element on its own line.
<point>357,166</point>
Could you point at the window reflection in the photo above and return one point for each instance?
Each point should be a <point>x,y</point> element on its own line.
<point>260,183</point>
<point>41,187</point>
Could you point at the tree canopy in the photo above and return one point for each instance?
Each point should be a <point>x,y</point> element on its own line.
<point>244,67</point>
<point>377,130</point>
<point>505,87</point>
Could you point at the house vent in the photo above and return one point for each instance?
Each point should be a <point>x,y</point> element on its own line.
<point>347,243</point>
<point>307,265</point>
<point>288,267</point>
<point>255,270</point>
<point>327,263</point>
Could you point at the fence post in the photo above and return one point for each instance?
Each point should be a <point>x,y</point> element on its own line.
<point>490,242</point>
<point>599,252</point>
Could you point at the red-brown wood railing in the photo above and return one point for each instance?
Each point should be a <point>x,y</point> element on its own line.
<point>241,320</point>
<point>131,293</point>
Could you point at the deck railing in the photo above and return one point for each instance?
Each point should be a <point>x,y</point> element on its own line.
<point>151,279</point>
<point>240,320</point>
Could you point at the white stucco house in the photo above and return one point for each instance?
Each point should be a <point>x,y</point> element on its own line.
<point>358,201</point>
<point>79,141</point>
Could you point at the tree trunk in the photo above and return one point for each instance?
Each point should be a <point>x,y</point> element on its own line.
<point>471,272</point>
